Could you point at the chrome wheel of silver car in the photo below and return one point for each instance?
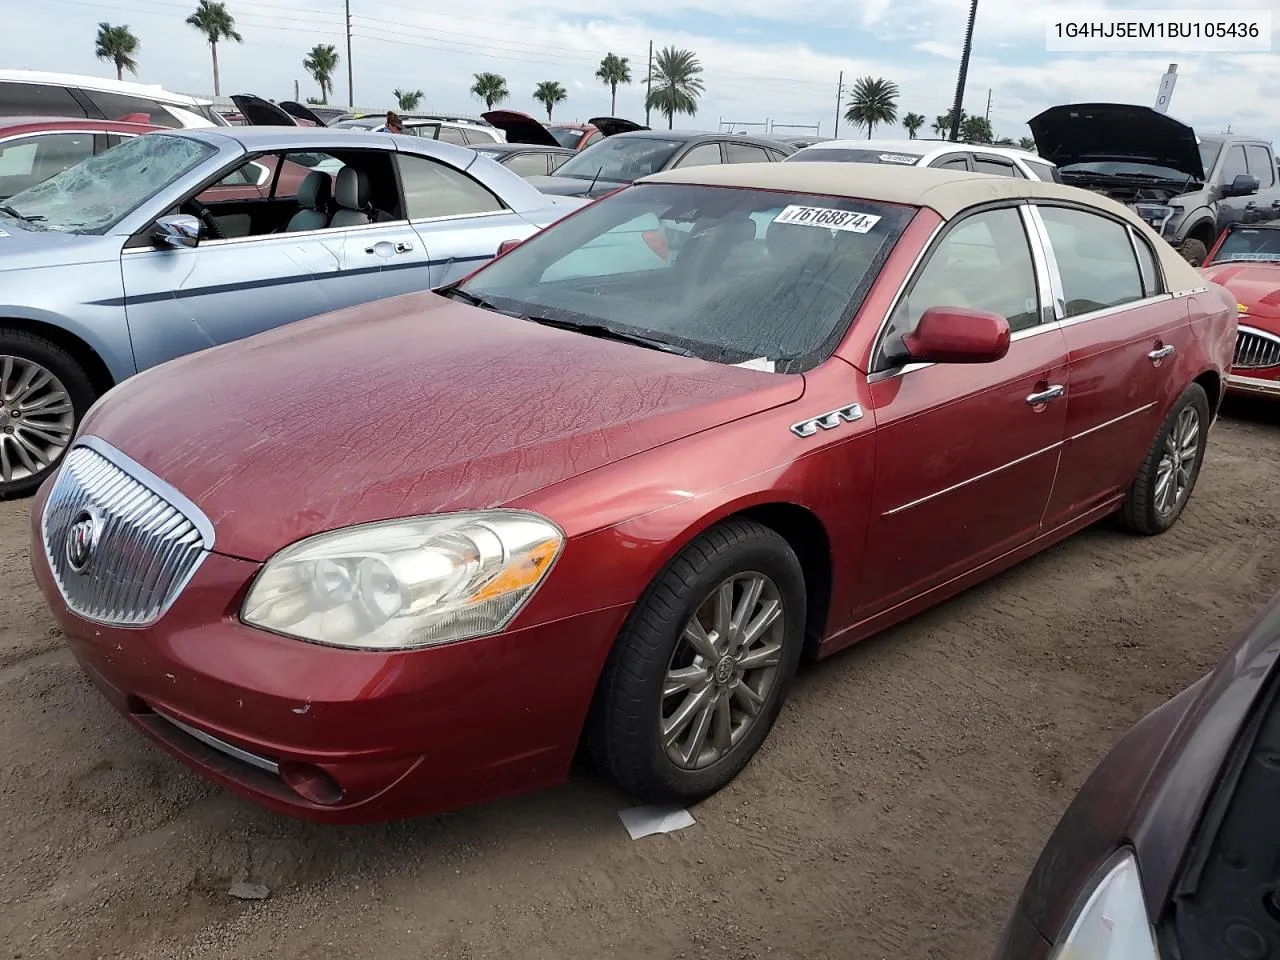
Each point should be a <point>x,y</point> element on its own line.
<point>722,670</point>
<point>1177,462</point>
<point>37,418</point>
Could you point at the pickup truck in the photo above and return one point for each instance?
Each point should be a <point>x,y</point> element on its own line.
<point>1188,188</point>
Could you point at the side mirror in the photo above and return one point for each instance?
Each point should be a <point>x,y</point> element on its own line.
<point>1243,185</point>
<point>508,245</point>
<point>176,231</point>
<point>958,335</point>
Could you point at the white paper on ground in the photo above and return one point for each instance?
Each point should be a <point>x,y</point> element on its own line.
<point>646,821</point>
<point>759,363</point>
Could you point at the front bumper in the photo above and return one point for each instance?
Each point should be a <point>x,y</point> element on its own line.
<point>340,735</point>
<point>1242,385</point>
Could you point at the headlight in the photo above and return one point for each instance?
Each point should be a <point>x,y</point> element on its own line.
<point>400,584</point>
<point>1112,924</point>
<point>1156,214</point>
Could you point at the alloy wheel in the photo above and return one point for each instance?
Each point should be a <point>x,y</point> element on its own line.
<point>1177,461</point>
<point>722,671</point>
<point>37,418</point>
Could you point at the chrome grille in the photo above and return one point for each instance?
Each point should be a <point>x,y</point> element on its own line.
<point>1256,349</point>
<point>145,540</point>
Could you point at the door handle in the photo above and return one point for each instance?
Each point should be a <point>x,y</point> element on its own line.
<point>1044,396</point>
<point>1155,356</point>
<point>404,246</point>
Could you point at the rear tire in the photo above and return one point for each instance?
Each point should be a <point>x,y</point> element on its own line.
<point>1171,467</point>
<point>727,684</point>
<point>44,393</point>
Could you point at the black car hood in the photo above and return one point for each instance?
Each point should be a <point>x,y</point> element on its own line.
<point>612,125</point>
<point>300,112</point>
<point>1090,132</point>
<point>573,186</point>
<point>258,112</point>
<point>521,128</point>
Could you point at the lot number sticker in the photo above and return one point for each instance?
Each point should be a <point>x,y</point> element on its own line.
<point>849,220</point>
<point>897,158</point>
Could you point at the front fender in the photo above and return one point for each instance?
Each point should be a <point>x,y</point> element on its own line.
<point>101,327</point>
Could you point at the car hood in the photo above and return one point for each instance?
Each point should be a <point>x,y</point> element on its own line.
<point>520,127</point>
<point>1087,132</point>
<point>258,112</point>
<point>22,249</point>
<point>573,186</point>
<point>1256,287</point>
<point>407,406</point>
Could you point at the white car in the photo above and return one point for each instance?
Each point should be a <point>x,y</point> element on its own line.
<point>460,130</point>
<point>947,154</point>
<point>30,93</point>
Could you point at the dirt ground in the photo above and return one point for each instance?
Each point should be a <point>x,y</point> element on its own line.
<point>893,813</point>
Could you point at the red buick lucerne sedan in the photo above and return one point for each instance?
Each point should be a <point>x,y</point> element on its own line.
<point>1246,260</point>
<point>608,490</point>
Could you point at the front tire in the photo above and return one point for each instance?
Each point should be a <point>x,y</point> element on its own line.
<point>700,670</point>
<point>43,394</point>
<point>1169,472</point>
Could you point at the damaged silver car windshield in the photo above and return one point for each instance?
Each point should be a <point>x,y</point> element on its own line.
<point>102,190</point>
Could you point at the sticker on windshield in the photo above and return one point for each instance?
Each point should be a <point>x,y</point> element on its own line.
<point>1264,257</point>
<point>828,217</point>
<point>3,234</point>
<point>897,158</point>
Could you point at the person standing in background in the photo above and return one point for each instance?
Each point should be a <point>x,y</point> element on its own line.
<point>394,123</point>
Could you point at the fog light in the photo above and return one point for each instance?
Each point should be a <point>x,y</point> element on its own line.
<point>311,783</point>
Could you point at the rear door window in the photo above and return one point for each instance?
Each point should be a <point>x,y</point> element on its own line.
<point>996,166</point>
<point>704,154</point>
<point>434,190</point>
<point>38,100</point>
<point>528,164</point>
<point>745,153</point>
<point>1095,260</point>
<point>452,135</point>
<point>116,106</point>
<point>951,161</point>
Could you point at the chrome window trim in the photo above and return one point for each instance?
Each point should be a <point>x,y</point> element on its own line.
<point>1051,259</point>
<point>925,250</point>
<point>461,216</point>
<point>294,235</point>
<point>93,132</point>
<point>1040,262</point>
<point>161,488</point>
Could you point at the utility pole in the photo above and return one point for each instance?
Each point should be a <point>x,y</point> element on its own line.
<point>297,92</point>
<point>648,84</point>
<point>351,83</point>
<point>988,113</point>
<point>958,105</point>
<point>839,97</point>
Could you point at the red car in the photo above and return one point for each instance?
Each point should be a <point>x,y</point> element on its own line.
<point>612,487</point>
<point>579,136</point>
<point>33,149</point>
<point>1246,260</point>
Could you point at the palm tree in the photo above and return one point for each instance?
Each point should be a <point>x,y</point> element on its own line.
<point>320,63</point>
<point>549,93</point>
<point>912,123</point>
<point>408,99</point>
<point>1027,143</point>
<point>491,88</point>
<point>211,19</point>
<point>942,124</point>
<point>613,71</point>
<point>873,101</point>
<point>975,129</point>
<point>118,44</point>
<point>674,84</point>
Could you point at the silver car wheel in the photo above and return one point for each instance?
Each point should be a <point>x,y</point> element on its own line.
<point>1177,461</point>
<point>722,671</point>
<point>37,418</point>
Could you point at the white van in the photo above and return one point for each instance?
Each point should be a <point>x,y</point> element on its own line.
<point>29,93</point>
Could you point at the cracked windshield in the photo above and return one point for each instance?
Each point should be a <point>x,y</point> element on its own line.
<point>98,192</point>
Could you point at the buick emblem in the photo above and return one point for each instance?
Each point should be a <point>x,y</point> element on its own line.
<point>82,537</point>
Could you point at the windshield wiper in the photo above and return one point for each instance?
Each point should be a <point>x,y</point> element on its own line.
<point>9,211</point>
<point>609,333</point>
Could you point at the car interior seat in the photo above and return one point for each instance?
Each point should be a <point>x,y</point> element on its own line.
<point>313,201</point>
<point>352,197</point>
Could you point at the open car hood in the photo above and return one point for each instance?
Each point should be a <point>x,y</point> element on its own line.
<point>611,125</point>
<point>300,113</point>
<point>520,128</point>
<point>258,112</point>
<point>1087,132</point>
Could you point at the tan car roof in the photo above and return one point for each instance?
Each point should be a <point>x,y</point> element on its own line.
<point>946,192</point>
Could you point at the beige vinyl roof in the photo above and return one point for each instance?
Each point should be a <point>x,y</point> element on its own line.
<point>946,192</point>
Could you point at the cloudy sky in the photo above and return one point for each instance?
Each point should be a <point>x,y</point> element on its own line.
<point>773,60</point>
